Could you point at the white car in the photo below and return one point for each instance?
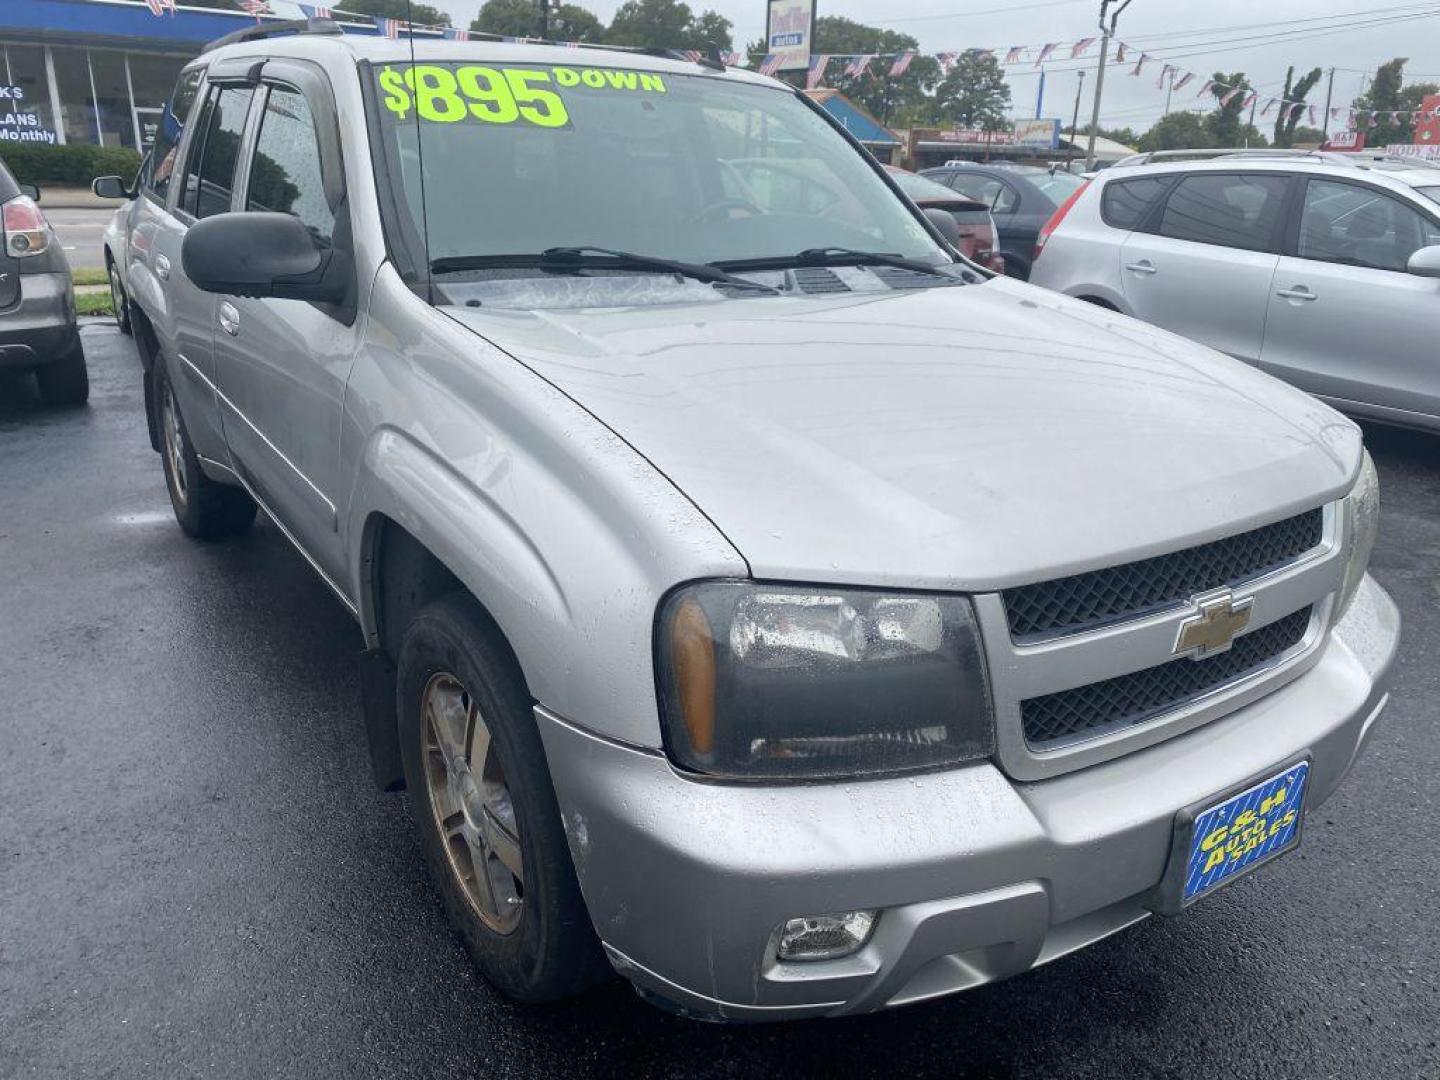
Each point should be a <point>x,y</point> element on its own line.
<point>1318,269</point>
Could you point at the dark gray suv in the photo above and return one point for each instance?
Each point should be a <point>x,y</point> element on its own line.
<point>37,303</point>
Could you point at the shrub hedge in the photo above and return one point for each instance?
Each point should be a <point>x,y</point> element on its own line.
<point>37,163</point>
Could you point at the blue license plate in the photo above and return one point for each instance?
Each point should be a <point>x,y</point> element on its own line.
<point>1245,830</point>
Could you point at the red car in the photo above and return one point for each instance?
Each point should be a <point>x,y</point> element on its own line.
<point>977,227</point>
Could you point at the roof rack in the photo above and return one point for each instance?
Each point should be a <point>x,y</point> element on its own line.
<point>276,29</point>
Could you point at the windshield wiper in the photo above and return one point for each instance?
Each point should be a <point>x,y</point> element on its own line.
<point>841,256</point>
<point>571,259</point>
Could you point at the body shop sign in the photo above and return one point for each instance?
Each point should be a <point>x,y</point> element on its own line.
<point>19,122</point>
<point>789,30</point>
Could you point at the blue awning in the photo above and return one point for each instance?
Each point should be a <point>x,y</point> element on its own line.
<point>854,118</point>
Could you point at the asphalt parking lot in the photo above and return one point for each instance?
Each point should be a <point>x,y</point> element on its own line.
<point>80,229</point>
<point>198,878</point>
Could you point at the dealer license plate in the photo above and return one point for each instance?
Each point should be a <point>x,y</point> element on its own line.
<point>1245,830</point>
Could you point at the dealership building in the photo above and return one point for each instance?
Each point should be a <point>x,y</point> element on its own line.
<point>99,71</point>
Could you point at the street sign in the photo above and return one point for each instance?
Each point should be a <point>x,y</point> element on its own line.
<point>790,32</point>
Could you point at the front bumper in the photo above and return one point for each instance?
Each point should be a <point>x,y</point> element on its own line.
<point>977,877</point>
<point>40,327</point>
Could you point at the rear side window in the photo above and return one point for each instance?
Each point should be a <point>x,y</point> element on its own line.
<point>285,176</point>
<point>1234,211</point>
<point>210,176</point>
<point>160,164</point>
<point>1125,203</point>
<point>1358,226</point>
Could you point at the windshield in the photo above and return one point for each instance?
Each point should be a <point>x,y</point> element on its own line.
<point>1058,186</point>
<point>684,167</point>
<point>921,187</point>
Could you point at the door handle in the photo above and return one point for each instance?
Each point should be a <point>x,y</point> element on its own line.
<point>162,267</point>
<point>1300,292</point>
<point>229,318</point>
<point>1144,266</point>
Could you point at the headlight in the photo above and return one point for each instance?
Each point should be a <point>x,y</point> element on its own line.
<point>1362,519</point>
<point>799,682</point>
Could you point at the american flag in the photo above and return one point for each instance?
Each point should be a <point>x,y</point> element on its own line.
<point>901,64</point>
<point>389,28</point>
<point>734,59</point>
<point>1081,47</point>
<point>770,64</point>
<point>1165,73</point>
<point>1231,95</point>
<point>1015,54</point>
<point>157,7</point>
<point>255,7</point>
<point>946,61</point>
<point>1314,120</point>
<point>1140,64</point>
<point>1185,80</point>
<point>693,55</point>
<point>816,75</point>
<point>316,11</point>
<point>1209,85</point>
<point>1120,53</point>
<point>858,66</point>
<point>1045,52</point>
<point>451,33</point>
<point>1270,104</point>
<point>1249,101</point>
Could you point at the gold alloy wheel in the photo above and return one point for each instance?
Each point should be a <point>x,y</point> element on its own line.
<point>471,803</point>
<point>174,445</point>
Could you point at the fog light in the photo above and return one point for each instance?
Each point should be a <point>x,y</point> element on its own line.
<point>825,937</point>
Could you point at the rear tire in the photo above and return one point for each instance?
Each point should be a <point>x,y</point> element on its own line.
<point>482,797</point>
<point>65,381</point>
<point>205,509</point>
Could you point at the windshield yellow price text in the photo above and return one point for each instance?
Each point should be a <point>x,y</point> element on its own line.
<point>493,95</point>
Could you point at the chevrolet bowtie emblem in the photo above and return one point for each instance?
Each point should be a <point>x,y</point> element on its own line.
<point>1214,627</point>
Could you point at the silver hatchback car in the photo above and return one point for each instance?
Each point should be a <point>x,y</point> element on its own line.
<point>761,602</point>
<point>1321,270</point>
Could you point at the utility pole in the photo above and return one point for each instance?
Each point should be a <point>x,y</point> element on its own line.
<point>544,19</point>
<point>1251,125</point>
<point>1170,89</point>
<point>1075,119</point>
<point>1329,93</point>
<point>1106,32</point>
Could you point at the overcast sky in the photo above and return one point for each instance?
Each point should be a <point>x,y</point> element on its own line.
<point>1201,37</point>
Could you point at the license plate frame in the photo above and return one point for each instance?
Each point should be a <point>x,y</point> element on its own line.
<point>1178,888</point>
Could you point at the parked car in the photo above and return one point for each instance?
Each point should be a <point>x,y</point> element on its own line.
<point>1021,197</point>
<point>114,241</point>
<point>760,604</point>
<point>38,331</point>
<point>1320,271</point>
<point>978,238</point>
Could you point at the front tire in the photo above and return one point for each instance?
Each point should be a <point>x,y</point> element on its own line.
<point>65,381</point>
<point>118,300</point>
<point>492,832</point>
<point>205,509</point>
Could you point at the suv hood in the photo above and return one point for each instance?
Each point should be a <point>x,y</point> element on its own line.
<point>966,438</point>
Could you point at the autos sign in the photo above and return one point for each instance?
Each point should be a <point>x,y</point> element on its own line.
<point>789,32</point>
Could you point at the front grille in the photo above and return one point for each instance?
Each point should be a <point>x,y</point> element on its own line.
<point>1127,700</point>
<point>1067,605</point>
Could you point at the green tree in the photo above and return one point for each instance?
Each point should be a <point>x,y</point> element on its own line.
<point>1386,94</point>
<point>1178,131</point>
<point>419,14</point>
<point>974,94</point>
<point>521,18</point>
<point>1305,135</point>
<point>904,99</point>
<point>1226,125</point>
<point>1288,118</point>
<point>1124,136</point>
<point>668,24</point>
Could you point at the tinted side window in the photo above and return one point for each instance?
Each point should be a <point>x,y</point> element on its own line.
<point>1360,227</point>
<point>988,190</point>
<point>160,162</point>
<point>1230,211</point>
<point>1124,203</point>
<point>285,175</point>
<point>210,176</point>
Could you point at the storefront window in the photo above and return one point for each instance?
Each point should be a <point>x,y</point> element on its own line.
<point>72,76</point>
<point>153,78</point>
<point>112,97</point>
<point>25,115</point>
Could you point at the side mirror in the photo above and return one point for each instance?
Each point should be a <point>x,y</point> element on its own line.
<point>1425,262</point>
<point>262,254</point>
<point>111,187</point>
<point>945,224</point>
<point>30,191</point>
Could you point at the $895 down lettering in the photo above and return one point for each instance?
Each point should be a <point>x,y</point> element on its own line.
<point>492,95</point>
